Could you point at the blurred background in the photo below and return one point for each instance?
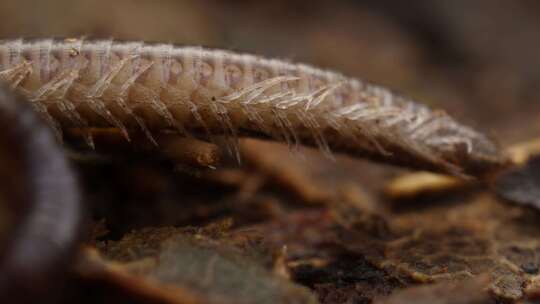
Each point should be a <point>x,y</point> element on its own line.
<point>477,59</point>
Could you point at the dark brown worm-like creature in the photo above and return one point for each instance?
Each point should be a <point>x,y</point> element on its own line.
<point>40,213</point>
<point>74,83</point>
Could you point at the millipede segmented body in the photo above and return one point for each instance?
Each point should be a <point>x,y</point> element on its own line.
<point>75,83</point>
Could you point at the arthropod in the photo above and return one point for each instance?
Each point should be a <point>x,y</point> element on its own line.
<point>39,205</point>
<point>151,88</point>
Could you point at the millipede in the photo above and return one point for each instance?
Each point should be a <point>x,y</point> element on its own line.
<point>193,91</point>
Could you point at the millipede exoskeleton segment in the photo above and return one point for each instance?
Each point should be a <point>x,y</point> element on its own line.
<point>40,211</point>
<point>151,88</point>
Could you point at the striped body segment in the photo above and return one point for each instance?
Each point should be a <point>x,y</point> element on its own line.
<point>135,86</point>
